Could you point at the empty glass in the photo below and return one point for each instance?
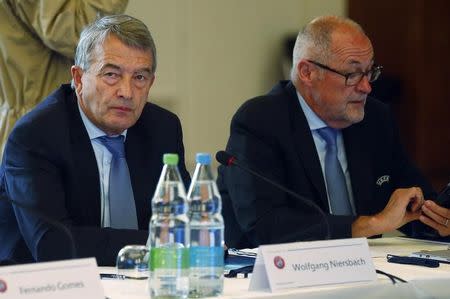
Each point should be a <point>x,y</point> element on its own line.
<point>132,262</point>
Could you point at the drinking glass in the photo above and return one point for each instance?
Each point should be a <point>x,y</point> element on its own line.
<point>132,262</point>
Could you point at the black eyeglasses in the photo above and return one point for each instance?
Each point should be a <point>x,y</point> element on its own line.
<point>354,78</point>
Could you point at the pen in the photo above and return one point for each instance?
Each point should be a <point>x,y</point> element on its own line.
<point>121,276</point>
<point>410,260</point>
<point>111,276</point>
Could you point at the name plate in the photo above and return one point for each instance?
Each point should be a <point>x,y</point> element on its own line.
<point>301,264</point>
<point>65,279</point>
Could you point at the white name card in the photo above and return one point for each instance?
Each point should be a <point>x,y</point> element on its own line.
<point>65,279</point>
<point>301,264</point>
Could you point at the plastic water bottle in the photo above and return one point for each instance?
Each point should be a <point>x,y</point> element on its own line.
<point>207,230</point>
<point>169,235</point>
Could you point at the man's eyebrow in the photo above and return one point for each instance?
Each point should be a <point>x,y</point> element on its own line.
<point>144,69</point>
<point>109,65</point>
<point>116,67</point>
<point>358,64</point>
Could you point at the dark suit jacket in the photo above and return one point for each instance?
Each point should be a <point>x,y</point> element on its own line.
<point>49,164</point>
<point>271,134</point>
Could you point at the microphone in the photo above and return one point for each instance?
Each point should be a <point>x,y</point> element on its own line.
<point>54,223</point>
<point>227,159</point>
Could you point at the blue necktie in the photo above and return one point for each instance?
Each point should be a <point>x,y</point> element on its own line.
<point>122,209</point>
<point>336,186</point>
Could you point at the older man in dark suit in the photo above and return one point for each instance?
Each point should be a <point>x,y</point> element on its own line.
<point>90,155</point>
<point>321,136</point>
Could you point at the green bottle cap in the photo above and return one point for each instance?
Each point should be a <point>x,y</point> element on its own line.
<point>170,159</point>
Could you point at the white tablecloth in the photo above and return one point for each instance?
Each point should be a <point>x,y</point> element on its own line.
<point>423,282</point>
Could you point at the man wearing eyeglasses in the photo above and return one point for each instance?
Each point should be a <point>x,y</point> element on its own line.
<point>323,137</point>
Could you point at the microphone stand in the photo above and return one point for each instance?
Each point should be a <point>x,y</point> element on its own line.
<point>227,159</point>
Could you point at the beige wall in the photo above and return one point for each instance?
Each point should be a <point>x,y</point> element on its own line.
<point>215,54</point>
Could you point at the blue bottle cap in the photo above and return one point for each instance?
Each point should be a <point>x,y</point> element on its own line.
<point>203,158</point>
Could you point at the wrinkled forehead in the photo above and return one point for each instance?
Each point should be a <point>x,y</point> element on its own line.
<point>351,46</point>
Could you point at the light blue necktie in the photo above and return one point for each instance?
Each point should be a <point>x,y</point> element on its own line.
<point>336,186</point>
<point>122,209</point>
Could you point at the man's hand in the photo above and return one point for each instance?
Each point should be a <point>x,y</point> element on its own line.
<point>437,217</point>
<point>394,215</point>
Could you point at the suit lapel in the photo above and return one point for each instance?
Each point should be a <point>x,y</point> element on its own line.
<point>305,147</point>
<point>85,167</point>
<point>138,150</point>
<point>359,166</point>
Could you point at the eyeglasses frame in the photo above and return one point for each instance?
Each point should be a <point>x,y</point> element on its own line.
<point>376,68</point>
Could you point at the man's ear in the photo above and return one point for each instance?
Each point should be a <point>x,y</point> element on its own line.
<point>305,72</point>
<point>153,79</point>
<point>77,73</point>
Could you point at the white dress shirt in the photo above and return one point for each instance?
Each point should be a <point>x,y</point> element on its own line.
<point>103,157</point>
<point>315,123</point>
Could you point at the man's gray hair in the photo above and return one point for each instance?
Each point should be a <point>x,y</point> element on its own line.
<point>130,31</point>
<point>314,40</point>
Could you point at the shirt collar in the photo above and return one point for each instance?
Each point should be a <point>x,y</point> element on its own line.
<point>314,121</point>
<point>92,130</point>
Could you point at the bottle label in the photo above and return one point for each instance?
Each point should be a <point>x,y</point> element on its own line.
<point>169,258</point>
<point>204,256</point>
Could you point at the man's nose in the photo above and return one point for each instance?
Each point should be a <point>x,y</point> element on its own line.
<point>125,88</point>
<point>364,85</point>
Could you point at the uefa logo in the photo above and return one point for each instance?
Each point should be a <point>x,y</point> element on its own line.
<point>279,262</point>
<point>3,286</point>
